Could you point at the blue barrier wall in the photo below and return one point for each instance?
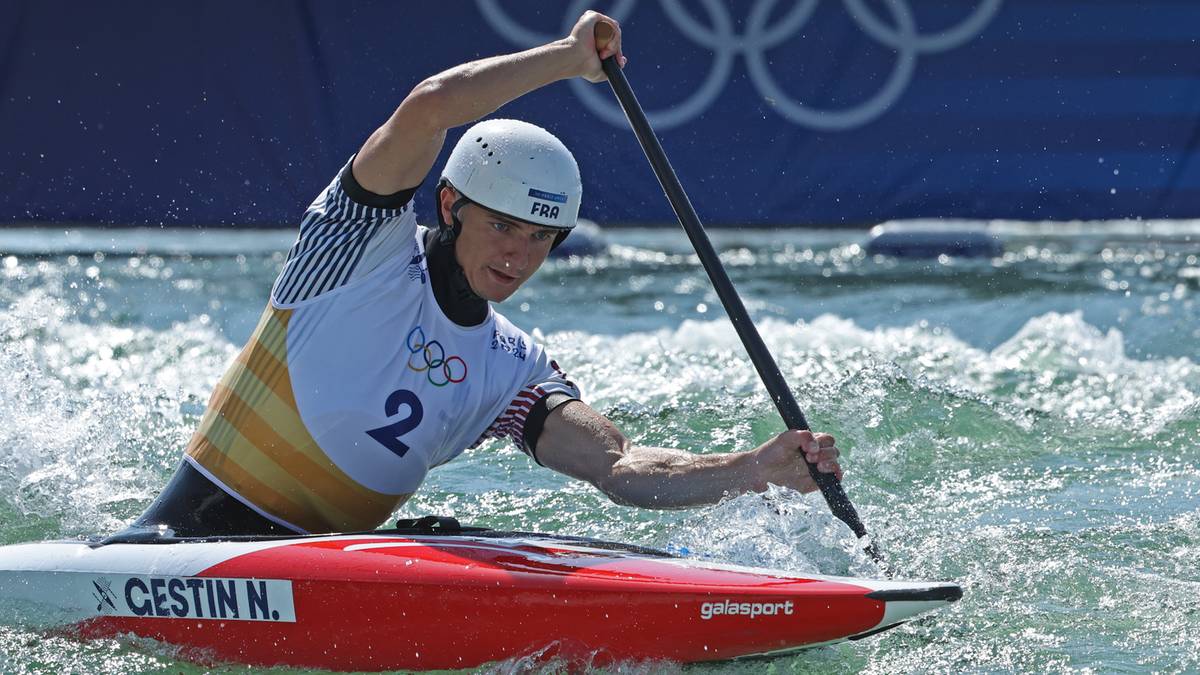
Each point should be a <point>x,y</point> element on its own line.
<point>810,112</point>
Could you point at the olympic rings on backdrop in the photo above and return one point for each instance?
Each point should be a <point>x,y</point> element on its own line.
<point>430,358</point>
<point>760,35</point>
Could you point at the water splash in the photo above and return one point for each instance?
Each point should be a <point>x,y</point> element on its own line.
<point>1042,456</point>
<point>95,415</point>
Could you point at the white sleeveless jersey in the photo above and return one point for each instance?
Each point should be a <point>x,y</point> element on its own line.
<point>355,384</point>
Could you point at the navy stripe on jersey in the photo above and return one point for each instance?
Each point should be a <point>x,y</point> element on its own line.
<point>334,234</point>
<point>354,263</point>
<point>297,281</point>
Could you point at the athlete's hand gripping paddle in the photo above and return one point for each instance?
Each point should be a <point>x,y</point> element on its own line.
<point>764,363</point>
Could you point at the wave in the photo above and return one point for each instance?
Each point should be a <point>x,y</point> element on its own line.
<point>95,415</point>
<point>1056,365</point>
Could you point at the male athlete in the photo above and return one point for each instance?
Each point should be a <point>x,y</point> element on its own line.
<point>379,356</point>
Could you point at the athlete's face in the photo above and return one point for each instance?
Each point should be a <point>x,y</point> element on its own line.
<point>497,253</point>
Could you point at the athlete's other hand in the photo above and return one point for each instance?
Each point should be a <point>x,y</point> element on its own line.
<point>781,460</point>
<point>583,40</point>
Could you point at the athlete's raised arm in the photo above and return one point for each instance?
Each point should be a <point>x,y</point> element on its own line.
<point>581,443</point>
<point>399,154</point>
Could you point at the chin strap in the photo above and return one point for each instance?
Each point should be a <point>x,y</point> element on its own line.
<point>558,239</point>
<point>448,232</point>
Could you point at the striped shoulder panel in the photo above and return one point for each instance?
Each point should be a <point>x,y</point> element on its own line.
<point>511,423</point>
<point>334,235</point>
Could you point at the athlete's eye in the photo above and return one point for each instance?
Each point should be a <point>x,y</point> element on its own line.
<point>500,227</point>
<point>543,235</point>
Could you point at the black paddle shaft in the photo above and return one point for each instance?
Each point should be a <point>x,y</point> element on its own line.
<point>764,363</point>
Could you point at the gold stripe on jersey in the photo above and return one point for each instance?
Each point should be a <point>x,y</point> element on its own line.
<point>253,440</point>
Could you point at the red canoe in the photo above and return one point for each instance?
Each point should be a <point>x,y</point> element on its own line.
<point>401,600</point>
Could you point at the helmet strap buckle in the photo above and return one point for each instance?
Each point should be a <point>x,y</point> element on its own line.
<point>448,232</point>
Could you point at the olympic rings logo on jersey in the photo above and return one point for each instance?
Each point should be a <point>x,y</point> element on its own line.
<point>762,34</point>
<point>430,358</point>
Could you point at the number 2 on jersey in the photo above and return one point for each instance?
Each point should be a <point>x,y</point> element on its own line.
<point>389,436</point>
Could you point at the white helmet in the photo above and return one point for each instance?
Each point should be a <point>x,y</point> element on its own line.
<point>518,169</point>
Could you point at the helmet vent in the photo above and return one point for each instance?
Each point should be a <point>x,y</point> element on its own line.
<point>511,162</point>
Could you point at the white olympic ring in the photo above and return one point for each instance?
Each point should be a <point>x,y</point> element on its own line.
<point>761,35</point>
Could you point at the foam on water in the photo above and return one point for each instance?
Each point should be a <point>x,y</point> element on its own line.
<point>95,414</point>
<point>1042,455</point>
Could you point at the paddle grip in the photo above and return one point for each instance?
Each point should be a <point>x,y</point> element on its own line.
<point>603,32</point>
<point>764,363</point>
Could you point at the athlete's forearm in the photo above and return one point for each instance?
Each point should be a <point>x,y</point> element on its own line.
<point>401,152</point>
<point>667,478</point>
<point>472,90</point>
<point>580,442</point>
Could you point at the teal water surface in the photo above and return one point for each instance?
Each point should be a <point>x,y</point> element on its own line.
<point>1028,425</point>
